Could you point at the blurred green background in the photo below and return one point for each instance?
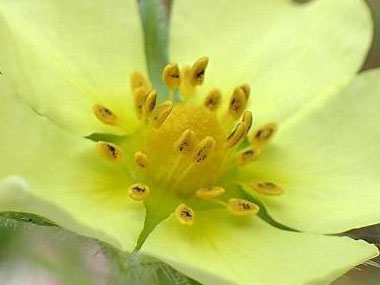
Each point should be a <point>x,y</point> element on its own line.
<point>38,255</point>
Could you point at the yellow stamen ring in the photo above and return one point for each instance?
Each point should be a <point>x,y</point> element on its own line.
<point>139,80</point>
<point>140,94</point>
<point>237,135</point>
<point>197,71</point>
<point>238,103</point>
<point>104,114</point>
<point>247,90</point>
<point>150,103</point>
<point>161,113</point>
<point>262,135</point>
<point>248,156</point>
<point>171,76</point>
<point>248,120</point>
<point>241,207</point>
<point>186,142</point>
<point>267,188</point>
<point>209,193</point>
<point>204,149</point>
<point>141,160</point>
<point>138,191</point>
<point>109,151</point>
<point>213,100</point>
<point>185,215</point>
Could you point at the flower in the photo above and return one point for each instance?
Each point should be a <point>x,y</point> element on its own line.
<point>84,144</point>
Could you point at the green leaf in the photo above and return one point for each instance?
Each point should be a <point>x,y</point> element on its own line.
<point>155,25</point>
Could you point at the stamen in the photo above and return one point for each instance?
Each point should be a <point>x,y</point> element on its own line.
<point>185,215</point>
<point>236,136</point>
<point>140,94</point>
<point>241,207</point>
<point>138,191</point>
<point>185,142</point>
<point>209,193</point>
<point>139,80</point>
<point>150,103</point>
<point>248,156</point>
<point>213,100</point>
<point>204,149</point>
<point>246,89</point>
<point>197,71</point>
<point>238,103</point>
<point>171,76</point>
<point>267,188</point>
<point>109,151</point>
<point>161,113</point>
<point>141,160</point>
<point>104,114</point>
<point>247,119</point>
<point>264,134</point>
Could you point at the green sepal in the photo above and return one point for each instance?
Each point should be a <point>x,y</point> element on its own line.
<point>27,218</point>
<point>155,26</point>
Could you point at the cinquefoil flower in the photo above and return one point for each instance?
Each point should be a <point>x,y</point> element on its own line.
<point>265,112</point>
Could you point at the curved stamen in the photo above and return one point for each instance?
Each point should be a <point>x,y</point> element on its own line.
<point>267,188</point>
<point>241,207</point>
<point>109,151</point>
<point>208,193</point>
<point>138,191</point>
<point>197,71</point>
<point>185,215</point>
<point>105,115</point>
<point>213,99</point>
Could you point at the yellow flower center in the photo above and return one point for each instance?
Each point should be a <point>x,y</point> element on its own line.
<point>176,153</point>
<point>186,150</point>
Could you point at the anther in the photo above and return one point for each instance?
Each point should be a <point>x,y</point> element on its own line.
<point>241,207</point>
<point>140,94</point>
<point>213,99</point>
<point>161,113</point>
<point>238,103</point>
<point>204,149</point>
<point>267,188</point>
<point>109,151</point>
<point>139,80</point>
<point>138,191</point>
<point>209,193</point>
<point>248,156</point>
<point>104,114</point>
<point>247,90</point>
<point>185,215</point>
<point>150,103</point>
<point>171,76</point>
<point>186,142</point>
<point>141,160</point>
<point>247,119</point>
<point>197,71</point>
<point>263,134</point>
<point>237,135</point>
